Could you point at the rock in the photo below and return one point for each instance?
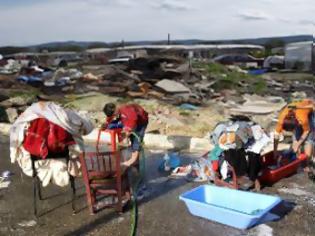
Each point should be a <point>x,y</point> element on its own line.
<point>67,88</point>
<point>90,76</point>
<point>5,128</point>
<point>136,72</point>
<point>12,114</point>
<point>299,95</point>
<point>170,121</point>
<point>18,101</point>
<point>92,88</point>
<point>26,223</point>
<point>172,86</point>
<point>258,105</point>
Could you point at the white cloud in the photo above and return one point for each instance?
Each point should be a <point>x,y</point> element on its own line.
<point>113,20</point>
<point>307,22</point>
<point>171,5</point>
<point>254,15</point>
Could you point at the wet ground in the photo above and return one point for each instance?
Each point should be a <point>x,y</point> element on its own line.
<point>160,213</point>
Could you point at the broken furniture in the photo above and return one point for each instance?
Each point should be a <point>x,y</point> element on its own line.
<point>103,175</point>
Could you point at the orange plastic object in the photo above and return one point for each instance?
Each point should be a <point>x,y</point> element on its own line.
<point>114,134</point>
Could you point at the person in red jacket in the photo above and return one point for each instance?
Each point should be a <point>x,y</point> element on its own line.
<point>134,120</point>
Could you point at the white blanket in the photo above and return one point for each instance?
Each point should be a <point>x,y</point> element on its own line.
<point>51,170</point>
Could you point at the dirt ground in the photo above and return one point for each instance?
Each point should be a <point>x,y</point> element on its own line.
<point>160,212</point>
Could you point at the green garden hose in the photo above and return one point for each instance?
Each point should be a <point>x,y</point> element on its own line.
<point>134,210</point>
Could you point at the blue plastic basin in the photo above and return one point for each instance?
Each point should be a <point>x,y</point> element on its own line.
<point>236,208</point>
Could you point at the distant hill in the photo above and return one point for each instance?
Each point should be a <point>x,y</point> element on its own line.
<point>80,46</point>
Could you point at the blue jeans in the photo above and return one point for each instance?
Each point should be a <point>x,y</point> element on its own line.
<point>311,136</point>
<point>137,140</point>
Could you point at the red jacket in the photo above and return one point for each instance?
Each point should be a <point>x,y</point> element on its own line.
<point>44,137</point>
<point>131,116</point>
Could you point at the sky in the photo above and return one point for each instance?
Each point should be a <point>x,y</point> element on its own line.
<point>29,22</point>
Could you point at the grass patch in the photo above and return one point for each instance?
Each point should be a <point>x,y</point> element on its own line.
<point>184,113</point>
<point>231,79</point>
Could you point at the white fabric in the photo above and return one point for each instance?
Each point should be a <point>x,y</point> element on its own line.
<point>224,170</point>
<point>49,170</point>
<point>261,140</point>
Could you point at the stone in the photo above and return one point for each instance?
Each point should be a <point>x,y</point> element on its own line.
<point>67,88</point>
<point>259,105</point>
<point>12,114</point>
<point>171,86</point>
<point>299,95</point>
<point>92,88</point>
<point>18,101</point>
<point>90,76</point>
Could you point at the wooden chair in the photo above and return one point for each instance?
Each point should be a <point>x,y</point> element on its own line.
<point>102,175</point>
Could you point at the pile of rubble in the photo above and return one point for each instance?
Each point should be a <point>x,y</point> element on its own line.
<point>166,78</point>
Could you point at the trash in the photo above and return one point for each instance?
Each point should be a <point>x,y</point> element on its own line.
<point>4,183</point>
<point>6,174</point>
<point>295,191</point>
<point>29,79</point>
<point>62,81</point>
<point>299,95</point>
<point>90,76</point>
<point>257,71</point>
<point>258,105</point>
<point>11,67</point>
<point>181,171</point>
<point>172,86</point>
<point>49,83</point>
<point>187,106</point>
<point>12,114</point>
<point>170,161</point>
<point>37,69</point>
<point>262,230</point>
<point>274,62</point>
<point>30,223</point>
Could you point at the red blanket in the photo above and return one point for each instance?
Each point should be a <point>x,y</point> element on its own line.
<point>44,137</point>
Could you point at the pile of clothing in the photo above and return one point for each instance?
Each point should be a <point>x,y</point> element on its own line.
<point>237,143</point>
<point>43,127</point>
